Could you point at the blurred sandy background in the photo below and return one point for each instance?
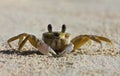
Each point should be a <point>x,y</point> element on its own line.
<point>96,17</point>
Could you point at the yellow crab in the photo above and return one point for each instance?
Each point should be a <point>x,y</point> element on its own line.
<point>57,43</point>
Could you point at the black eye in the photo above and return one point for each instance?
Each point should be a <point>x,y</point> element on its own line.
<point>56,34</point>
<point>63,28</point>
<point>49,28</point>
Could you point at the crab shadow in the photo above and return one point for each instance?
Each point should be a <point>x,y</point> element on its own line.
<point>24,53</point>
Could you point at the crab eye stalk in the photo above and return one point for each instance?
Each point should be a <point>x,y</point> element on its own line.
<point>63,28</point>
<point>49,28</point>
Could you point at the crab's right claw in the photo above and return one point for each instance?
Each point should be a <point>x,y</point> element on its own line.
<point>45,49</point>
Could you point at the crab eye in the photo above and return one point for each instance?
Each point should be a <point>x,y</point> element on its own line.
<point>63,28</point>
<point>49,28</point>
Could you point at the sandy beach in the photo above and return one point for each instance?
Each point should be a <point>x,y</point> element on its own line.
<point>91,17</point>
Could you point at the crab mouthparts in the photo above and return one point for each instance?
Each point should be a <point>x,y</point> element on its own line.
<point>57,37</point>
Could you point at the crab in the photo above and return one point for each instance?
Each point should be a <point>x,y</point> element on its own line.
<point>57,43</point>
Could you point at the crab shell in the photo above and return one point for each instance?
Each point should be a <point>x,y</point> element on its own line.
<point>58,41</point>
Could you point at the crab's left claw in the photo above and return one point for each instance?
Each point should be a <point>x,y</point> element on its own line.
<point>67,50</point>
<point>45,49</point>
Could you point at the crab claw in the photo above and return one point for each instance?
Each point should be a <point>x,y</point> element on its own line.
<point>67,50</point>
<point>45,49</point>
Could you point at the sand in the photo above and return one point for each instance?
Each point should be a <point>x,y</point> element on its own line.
<point>81,17</point>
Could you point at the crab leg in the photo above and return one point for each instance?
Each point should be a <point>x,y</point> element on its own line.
<point>12,39</point>
<point>22,43</point>
<point>82,39</point>
<point>79,41</point>
<point>89,43</point>
<point>20,40</point>
<point>96,39</point>
<point>106,40</point>
<point>20,37</point>
<point>39,44</point>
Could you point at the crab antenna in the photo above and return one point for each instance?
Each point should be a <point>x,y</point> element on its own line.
<point>63,28</point>
<point>49,28</point>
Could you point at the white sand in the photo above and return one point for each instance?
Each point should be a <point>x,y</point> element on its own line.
<point>81,17</point>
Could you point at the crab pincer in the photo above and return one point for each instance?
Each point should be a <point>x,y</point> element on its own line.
<point>45,49</point>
